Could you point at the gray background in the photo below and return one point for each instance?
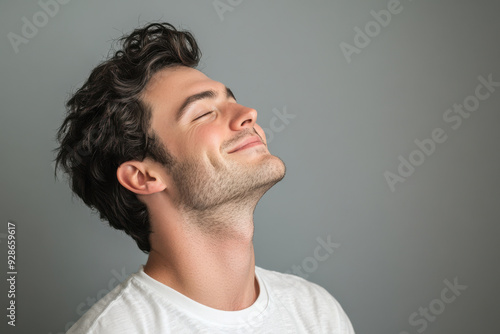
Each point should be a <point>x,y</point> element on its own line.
<point>352,121</point>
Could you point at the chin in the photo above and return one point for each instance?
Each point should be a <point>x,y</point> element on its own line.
<point>274,169</point>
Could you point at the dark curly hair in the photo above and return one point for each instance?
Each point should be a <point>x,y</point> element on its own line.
<point>107,124</point>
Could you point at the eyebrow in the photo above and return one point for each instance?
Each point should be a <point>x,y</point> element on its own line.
<point>208,94</point>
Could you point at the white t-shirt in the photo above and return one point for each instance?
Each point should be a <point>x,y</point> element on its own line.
<point>286,304</point>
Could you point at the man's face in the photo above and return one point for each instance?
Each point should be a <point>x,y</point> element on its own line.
<point>220,152</point>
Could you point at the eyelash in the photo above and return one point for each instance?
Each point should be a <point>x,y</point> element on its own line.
<point>205,114</point>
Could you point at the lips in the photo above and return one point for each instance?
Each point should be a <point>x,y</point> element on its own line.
<point>249,142</point>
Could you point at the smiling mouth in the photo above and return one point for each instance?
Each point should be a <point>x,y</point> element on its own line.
<point>251,142</point>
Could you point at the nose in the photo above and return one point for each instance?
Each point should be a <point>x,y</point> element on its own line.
<point>242,117</point>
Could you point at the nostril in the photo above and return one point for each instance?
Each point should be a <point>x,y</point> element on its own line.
<point>247,121</point>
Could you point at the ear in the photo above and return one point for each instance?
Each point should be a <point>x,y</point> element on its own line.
<point>140,177</point>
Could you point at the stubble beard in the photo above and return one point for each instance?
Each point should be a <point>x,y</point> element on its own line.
<point>232,187</point>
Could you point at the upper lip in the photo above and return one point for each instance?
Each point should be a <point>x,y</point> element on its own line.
<point>249,140</point>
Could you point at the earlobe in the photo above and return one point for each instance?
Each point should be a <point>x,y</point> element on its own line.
<point>137,177</point>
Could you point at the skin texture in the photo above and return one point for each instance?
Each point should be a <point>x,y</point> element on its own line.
<point>202,206</point>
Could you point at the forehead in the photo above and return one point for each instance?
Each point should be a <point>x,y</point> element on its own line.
<point>168,88</point>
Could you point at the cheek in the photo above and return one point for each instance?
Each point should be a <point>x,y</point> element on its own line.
<point>204,140</point>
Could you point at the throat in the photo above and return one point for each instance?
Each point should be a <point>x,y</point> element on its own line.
<point>216,270</point>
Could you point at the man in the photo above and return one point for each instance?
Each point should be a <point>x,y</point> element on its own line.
<point>166,154</point>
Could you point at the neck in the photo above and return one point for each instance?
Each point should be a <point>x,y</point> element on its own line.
<point>207,257</point>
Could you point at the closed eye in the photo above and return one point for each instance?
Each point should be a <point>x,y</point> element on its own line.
<point>205,114</point>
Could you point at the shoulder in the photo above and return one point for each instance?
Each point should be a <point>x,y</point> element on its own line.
<point>116,312</point>
<point>305,299</point>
